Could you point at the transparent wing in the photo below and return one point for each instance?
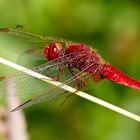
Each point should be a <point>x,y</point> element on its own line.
<point>27,85</point>
<point>57,92</point>
<point>34,39</point>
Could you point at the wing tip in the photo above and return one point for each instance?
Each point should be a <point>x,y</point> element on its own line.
<point>13,110</point>
<point>4,30</point>
<point>21,106</point>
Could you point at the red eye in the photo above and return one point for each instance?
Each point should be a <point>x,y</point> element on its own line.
<point>52,51</point>
<point>46,51</point>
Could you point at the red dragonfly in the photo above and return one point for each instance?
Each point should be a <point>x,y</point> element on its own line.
<point>78,59</point>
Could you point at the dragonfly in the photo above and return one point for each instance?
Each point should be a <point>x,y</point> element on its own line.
<point>78,59</point>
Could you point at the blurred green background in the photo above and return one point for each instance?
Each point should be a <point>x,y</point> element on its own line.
<point>112,28</point>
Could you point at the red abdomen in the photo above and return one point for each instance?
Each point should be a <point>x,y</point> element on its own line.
<point>113,74</point>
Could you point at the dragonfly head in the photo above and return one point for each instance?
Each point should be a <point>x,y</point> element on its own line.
<point>52,50</point>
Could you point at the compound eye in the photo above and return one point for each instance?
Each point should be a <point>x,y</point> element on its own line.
<point>52,51</point>
<point>46,51</point>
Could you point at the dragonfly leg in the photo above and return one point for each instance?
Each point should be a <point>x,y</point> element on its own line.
<point>80,84</point>
<point>79,80</point>
<point>59,74</point>
<point>79,87</point>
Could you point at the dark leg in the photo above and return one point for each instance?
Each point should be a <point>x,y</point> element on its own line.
<point>59,74</point>
<point>80,84</point>
<point>71,94</point>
